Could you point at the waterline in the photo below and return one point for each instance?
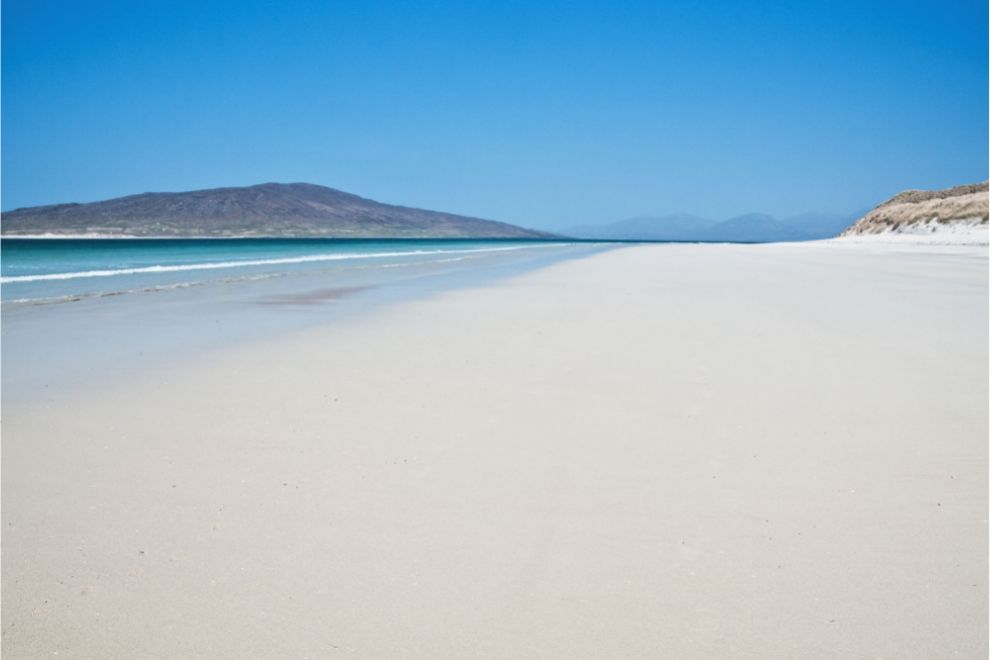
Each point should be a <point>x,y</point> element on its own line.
<point>252,262</point>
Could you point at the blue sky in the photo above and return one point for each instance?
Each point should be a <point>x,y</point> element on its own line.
<point>540,113</point>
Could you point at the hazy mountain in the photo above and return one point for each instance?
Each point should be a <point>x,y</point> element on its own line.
<point>821,225</point>
<point>752,227</point>
<point>678,227</point>
<point>926,211</point>
<point>756,227</point>
<point>268,209</point>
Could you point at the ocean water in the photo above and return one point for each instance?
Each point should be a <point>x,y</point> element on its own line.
<point>79,313</point>
<point>54,270</point>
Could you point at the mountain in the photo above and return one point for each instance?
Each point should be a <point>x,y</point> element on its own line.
<point>749,228</point>
<point>817,226</point>
<point>753,227</point>
<point>268,209</point>
<point>679,227</point>
<point>962,210</point>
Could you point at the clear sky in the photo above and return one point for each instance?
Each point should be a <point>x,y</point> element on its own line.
<point>546,114</point>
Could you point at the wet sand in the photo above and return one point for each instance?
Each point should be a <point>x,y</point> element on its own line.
<point>663,451</point>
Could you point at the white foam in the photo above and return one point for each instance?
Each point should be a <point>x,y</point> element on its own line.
<point>251,262</point>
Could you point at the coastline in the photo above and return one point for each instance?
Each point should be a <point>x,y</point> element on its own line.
<point>697,451</point>
<point>99,331</point>
<point>283,237</point>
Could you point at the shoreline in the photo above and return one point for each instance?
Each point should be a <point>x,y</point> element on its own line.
<point>55,347</point>
<point>697,451</point>
<point>273,237</point>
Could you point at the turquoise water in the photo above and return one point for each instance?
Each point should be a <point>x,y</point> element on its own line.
<point>80,314</point>
<point>54,270</point>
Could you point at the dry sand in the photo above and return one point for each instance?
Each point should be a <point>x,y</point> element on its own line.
<point>974,232</point>
<point>655,452</point>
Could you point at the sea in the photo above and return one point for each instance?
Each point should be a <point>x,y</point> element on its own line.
<point>38,271</point>
<point>77,312</point>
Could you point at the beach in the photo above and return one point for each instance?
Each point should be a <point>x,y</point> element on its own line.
<point>680,451</point>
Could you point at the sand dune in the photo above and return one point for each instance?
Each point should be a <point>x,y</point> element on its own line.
<point>952,216</point>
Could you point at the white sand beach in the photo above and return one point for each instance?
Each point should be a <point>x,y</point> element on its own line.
<point>972,232</point>
<point>670,451</point>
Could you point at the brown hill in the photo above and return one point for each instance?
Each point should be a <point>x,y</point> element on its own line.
<point>928,210</point>
<point>268,209</point>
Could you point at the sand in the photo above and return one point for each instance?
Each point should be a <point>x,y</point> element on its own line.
<point>655,452</point>
<point>973,231</point>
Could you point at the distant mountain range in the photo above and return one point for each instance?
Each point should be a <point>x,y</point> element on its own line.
<point>268,209</point>
<point>753,227</point>
<point>307,210</point>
